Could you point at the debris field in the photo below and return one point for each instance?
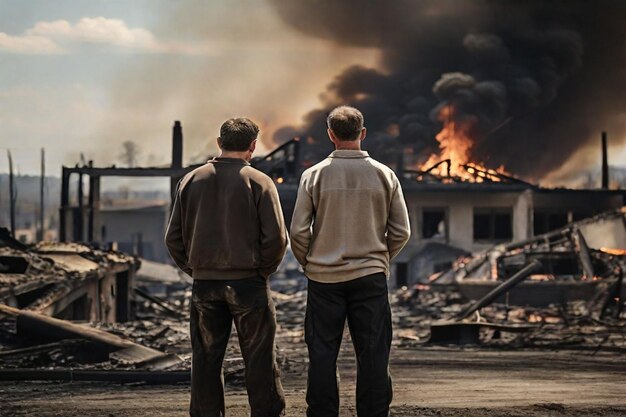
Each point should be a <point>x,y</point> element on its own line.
<point>556,292</point>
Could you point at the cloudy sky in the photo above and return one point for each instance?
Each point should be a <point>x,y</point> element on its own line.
<point>83,76</point>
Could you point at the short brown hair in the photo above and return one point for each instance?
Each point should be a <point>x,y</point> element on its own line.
<point>237,134</point>
<point>345,122</point>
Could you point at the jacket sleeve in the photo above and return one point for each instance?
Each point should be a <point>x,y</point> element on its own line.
<point>301,223</point>
<point>398,227</point>
<point>273,231</point>
<point>174,236</point>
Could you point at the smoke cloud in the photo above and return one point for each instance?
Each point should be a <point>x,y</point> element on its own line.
<point>538,79</point>
<point>247,62</point>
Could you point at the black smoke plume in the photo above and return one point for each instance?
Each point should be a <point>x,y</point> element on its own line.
<point>540,78</point>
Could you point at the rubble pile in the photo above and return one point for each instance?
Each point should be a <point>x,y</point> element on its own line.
<point>58,354</point>
<point>568,325</point>
<point>65,279</point>
<point>414,310</point>
<point>562,290</point>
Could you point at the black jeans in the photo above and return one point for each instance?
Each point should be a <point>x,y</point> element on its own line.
<point>365,303</point>
<point>214,306</point>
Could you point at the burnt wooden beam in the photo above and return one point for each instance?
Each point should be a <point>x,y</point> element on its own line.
<point>43,329</point>
<point>65,203</point>
<point>518,277</point>
<point>11,193</point>
<point>583,254</point>
<point>42,186</point>
<point>177,145</point>
<point>93,206</point>
<point>161,303</point>
<point>79,222</point>
<point>126,376</point>
<point>605,162</point>
<point>131,172</point>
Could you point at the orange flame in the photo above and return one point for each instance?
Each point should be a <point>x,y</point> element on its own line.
<point>614,251</point>
<point>456,143</point>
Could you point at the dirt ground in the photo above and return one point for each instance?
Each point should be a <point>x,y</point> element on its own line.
<point>427,382</point>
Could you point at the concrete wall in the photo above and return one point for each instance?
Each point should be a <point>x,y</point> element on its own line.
<point>460,205</point>
<point>608,233</point>
<point>122,225</point>
<point>460,214</point>
<point>591,202</point>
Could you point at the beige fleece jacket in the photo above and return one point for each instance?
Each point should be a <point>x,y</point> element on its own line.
<point>350,218</point>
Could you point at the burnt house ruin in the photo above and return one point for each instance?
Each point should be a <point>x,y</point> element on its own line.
<point>467,208</point>
<point>452,213</point>
<point>66,280</point>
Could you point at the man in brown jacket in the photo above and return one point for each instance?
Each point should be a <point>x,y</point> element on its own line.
<point>227,231</point>
<point>350,220</point>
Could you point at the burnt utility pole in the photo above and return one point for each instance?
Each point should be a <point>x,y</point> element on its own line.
<point>42,185</point>
<point>93,208</point>
<point>79,221</point>
<point>11,194</point>
<point>177,157</point>
<point>177,145</point>
<point>605,162</point>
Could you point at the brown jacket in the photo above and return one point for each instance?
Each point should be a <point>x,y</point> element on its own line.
<point>226,222</point>
<point>350,218</point>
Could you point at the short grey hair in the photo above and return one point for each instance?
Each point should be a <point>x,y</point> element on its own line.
<point>345,122</point>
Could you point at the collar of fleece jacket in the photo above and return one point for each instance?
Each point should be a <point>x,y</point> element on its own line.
<point>345,153</point>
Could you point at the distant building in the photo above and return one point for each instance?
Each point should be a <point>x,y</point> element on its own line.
<point>137,228</point>
<point>29,235</point>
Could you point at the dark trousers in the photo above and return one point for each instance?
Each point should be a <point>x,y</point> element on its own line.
<point>214,307</point>
<point>365,303</point>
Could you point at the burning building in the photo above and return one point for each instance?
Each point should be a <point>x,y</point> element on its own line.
<point>520,85</point>
<point>468,99</point>
<point>463,206</point>
<point>454,203</point>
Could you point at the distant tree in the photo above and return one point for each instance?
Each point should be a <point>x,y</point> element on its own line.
<point>123,192</point>
<point>130,153</point>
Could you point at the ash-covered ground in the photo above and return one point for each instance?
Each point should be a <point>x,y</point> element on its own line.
<point>566,365</point>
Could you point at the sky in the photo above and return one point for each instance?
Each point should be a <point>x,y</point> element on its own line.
<point>83,76</point>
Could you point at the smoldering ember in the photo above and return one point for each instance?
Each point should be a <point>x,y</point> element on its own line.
<point>503,122</point>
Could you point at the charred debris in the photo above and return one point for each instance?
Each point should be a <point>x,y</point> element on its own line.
<point>72,311</point>
<point>66,280</point>
<point>75,312</point>
<point>564,287</point>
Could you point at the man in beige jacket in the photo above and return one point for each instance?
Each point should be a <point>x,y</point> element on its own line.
<point>350,220</point>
